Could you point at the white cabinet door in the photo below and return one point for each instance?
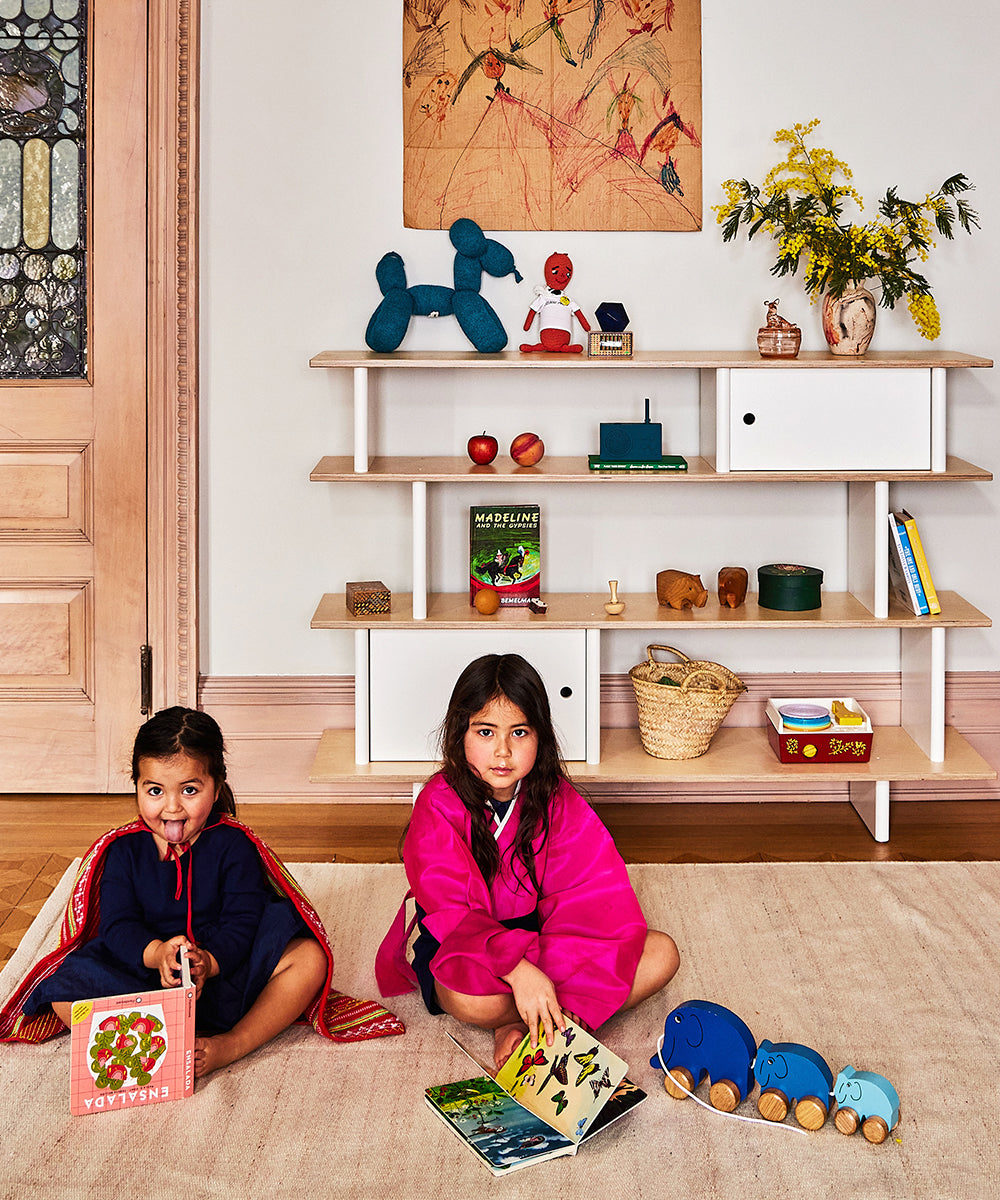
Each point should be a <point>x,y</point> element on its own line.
<point>413,672</point>
<point>830,420</point>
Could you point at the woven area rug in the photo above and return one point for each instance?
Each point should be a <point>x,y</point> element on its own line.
<point>890,967</point>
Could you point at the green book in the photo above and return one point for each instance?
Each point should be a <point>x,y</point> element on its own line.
<point>666,462</point>
<point>505,551</point>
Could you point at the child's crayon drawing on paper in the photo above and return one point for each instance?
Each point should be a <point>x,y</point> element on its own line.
<point>552,114</point>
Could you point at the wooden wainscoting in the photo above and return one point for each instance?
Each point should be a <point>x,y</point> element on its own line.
<point>273,724</point>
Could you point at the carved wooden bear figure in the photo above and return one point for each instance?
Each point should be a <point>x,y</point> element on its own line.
<point>733,583</point>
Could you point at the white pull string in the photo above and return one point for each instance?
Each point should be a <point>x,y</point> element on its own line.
<point>718,1112</point>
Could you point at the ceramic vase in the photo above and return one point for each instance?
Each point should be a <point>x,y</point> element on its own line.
<point>849,321</point>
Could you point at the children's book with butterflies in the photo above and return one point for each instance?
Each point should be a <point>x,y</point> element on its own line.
<point>128,1051</point>
<point>543,1102</point>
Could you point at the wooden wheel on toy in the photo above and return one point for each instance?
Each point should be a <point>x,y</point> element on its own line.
<point>724,1095</point>
<point>875,1130</point>
<point>811,1112</point>
<point>681,1075</point>
<point>846,1120</point>
<point>772,1104</point>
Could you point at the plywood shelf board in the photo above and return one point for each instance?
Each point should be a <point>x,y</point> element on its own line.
<point>736,755</point>
<point>573,610</point>
<point>339,468</point>
<point>642,360</point>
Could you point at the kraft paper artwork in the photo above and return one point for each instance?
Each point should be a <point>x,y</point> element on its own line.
<point>552,114</point>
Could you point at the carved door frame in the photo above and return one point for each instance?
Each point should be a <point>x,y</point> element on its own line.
<point>172,364</point>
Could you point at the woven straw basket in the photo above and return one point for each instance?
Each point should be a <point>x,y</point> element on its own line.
<point>679,722</point>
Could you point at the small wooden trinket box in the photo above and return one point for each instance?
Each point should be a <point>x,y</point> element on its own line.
<point>610,345</point>
<point>368,596</point>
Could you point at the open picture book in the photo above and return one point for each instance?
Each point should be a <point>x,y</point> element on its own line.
<point>542,1103</point>
<point>126,1051</point>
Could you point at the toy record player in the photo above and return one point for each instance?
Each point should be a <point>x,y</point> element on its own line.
<point>807,730</point>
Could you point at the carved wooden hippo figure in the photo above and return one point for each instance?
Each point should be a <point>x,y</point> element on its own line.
<point>788,1072</point>
<point>680,589</point>
<point>867,1099</point>
<point>701,1038</point>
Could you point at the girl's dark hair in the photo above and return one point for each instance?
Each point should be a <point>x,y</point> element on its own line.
<point>502,677</point>
<point>186,731</point>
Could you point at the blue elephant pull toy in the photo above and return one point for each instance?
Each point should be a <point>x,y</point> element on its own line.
<point>788,1074</point>
<point>868,1100</point>
<point>701,1038</point>
<point>474,254</point>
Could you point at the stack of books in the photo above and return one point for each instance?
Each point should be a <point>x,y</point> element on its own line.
<point>909,574</point>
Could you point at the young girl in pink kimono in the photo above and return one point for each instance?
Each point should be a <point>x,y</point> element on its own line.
<point>525,911</point>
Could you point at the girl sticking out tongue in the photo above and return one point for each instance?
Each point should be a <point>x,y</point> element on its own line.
<point>186,874</point>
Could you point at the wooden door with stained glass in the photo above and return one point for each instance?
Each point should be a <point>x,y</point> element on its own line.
<point>73,410</point>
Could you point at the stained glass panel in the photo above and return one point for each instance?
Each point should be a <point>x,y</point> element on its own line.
<point>43,277</point>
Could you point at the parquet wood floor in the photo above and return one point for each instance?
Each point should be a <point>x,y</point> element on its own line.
<point>41,835</point>
<point>25,884</point>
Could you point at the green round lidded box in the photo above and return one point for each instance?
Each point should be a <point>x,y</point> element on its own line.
<point>789,587</point>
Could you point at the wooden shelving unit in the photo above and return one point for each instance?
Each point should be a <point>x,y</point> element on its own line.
<point>922,748</point>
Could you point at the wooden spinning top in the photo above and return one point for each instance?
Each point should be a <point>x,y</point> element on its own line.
<point>614,606</point>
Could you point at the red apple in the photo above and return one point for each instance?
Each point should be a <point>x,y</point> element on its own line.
<point>483,448</point>
<point>527,449</point>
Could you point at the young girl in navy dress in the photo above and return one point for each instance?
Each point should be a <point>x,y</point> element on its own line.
<point>525,910</point>
<point>187,874</point>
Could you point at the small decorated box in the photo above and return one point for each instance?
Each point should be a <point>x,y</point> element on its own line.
<point>808,730</point>
<point>610,345</point>
<point>368,596</point>
<point>789,587</point>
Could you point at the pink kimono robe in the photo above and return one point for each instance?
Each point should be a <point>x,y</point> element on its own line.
<point>592,929</point>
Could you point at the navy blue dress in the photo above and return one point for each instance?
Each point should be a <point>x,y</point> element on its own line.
<point>235,913</point>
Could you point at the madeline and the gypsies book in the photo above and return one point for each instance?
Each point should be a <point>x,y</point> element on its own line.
<point>542,1103</point>
<point>127,1051</point>
<point>505,551</point>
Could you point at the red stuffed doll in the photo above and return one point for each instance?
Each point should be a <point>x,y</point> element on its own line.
<point>555,310</point>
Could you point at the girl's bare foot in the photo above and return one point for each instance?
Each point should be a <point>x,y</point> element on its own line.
<point>506,1039</point>
<point>211,1053</point>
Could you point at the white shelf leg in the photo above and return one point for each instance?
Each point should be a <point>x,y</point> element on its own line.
<point>922,677</point>
<point>361,419</point>
<point>362,705</point>
<point>419,550</point>
<point>868,545</point>
<point>723,420</point>
<point>593,685</point>
<point>939,419</point>
<point>871,801</point>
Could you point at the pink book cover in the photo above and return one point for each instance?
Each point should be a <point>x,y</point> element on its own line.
<point>131,1050</point>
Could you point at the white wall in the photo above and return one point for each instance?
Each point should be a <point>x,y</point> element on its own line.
<point>301,195</point>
